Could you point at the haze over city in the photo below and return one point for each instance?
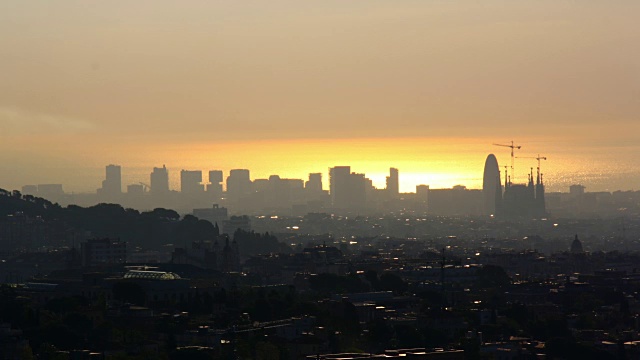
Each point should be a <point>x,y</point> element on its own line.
<point>289,88</point>
<point>320,180</point>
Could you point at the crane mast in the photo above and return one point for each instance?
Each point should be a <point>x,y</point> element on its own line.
<point>506,176</point>
<point>537,158</point>
<point>513,147</point>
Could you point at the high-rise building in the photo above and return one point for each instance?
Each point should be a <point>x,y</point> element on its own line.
<point>30,190</point>
<point>238,184</point>
<point>339,186</point>
<point>393,185</point>
<point>160,180</point>
<point>359,186</point>
<point>422,192</point>
<point>313,190</point>
<point>348,190</point>
<point>112,184</point>
<point>191,182</point>
<point>314,183</point>
<point>261,185</point>
<point>215,187</point>
<point>491,184</point>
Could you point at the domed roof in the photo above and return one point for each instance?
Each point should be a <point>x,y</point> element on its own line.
<point>151,275</point>
<point>576,246</point>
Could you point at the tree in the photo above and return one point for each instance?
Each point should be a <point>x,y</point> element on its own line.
<point>167,214</point>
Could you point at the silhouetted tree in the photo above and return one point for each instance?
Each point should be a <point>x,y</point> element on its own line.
<point>165,214</point>
<point>252,243</point>
<point>151,229</point>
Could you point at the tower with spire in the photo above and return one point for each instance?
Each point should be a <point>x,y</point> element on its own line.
<point>541,208</point>
<point>520,200</point>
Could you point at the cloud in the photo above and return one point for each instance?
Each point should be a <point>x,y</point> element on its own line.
<point>14,120</point>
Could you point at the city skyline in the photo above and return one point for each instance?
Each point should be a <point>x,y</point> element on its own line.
<point>451,163</point>
<point>289,88</point>
<point>328,179</point>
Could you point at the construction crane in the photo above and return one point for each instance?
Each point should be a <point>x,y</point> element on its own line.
<point>512,146</point>
<point>506,176</point>
<point>537,158</point>
<point>145,187</point>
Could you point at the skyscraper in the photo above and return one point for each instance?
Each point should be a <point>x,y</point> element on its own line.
<point>191,182</point>
<point>238,184</point>
<point>214,189</point>
<point>348,190</point>
<point>393,185</point>
<point>491,184</point>
<point>339,186</point>
<point>422,192</point>
<point>315,182</point>
<point>112,184</point>
<point>359,185</point>
<point>160,180</point>
<point>313,190</point>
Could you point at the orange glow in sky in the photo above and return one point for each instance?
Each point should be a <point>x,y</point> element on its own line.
<point>439,163</point>
<point>291,87</point>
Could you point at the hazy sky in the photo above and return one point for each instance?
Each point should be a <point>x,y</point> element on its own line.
<point>286,86</point>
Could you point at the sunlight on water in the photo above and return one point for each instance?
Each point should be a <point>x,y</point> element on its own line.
<point>439,163</point>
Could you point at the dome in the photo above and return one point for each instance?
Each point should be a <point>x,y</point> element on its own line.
<point>576,246</point>
<point>151,275</point>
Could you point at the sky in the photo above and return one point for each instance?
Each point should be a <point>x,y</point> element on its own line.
<point>293,87</point>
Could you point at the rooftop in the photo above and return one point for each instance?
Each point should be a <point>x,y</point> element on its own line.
<point>151,275</point>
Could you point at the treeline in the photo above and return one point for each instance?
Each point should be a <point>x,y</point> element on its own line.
<point>252,243</point>
<point>148,229</point>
